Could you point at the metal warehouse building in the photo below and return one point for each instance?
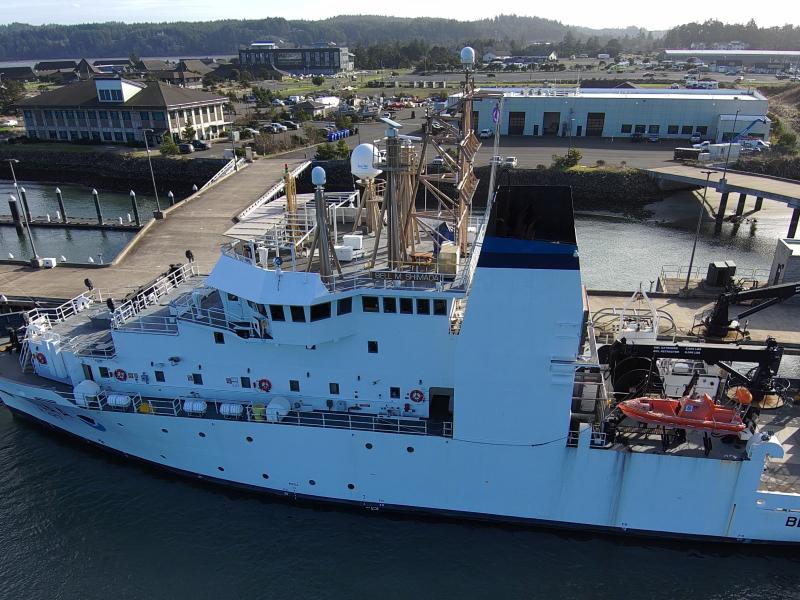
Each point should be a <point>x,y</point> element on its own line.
<point>759,61</point>
<point>621,112</point>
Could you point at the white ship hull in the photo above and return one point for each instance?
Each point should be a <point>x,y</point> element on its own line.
<point>549,484</point>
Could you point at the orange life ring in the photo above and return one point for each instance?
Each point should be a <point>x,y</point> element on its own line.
<point>120,375</point>
<point>416,396</point>
<point>41,358</point>
<point>264,385</point>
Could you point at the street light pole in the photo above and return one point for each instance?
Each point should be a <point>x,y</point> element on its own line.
<point>11,163</point>
<point>730,145</point>
<point>697,232</point>
<point>157,213</point>
<point>233,147</point>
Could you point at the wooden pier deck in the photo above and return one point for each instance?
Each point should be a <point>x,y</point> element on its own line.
<point>198,225</point>
<point>77,223</point>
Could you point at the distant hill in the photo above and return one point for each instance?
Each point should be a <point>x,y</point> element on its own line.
<point>20,41</point>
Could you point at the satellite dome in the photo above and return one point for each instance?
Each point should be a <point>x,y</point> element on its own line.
<point>318,176</point>
<point>467,56</point>
<point>362,161</point>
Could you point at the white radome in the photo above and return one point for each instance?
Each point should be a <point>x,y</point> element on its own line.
<point>318,176</point>
<point>467,56</point>
<point>362,161</point>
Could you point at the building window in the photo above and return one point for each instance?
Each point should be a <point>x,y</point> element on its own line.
<point>440,306</point>
<point>63,135</point>
<point>102,114</point>
<point>276,310</point>
<point>126,117</point>
<point>233,298</point>
<point>219,337</point>
<point>118,136</point>
<point>344,306</point>
<point>53,134</point>
<point>640,128</point>
<point>333,388</point>
<point>369,304</point>
<point>390,305</point>
<point>653,129</point>
<point>672,130</point>
<point>372,347</point>
<point>702,129</point>
<point>627,128</point>
<point>298,314</point>
<point>107,136</point>
<point>320,311</point>
<point>144,115</point>
<point>116,95</point>
<point>394,392</point>
<point>160,376</point>
<point>686,130</point>
<point>158,116</point>
<point>245,382</point>
<point>294,385</point>
<point>423,306</point>
<point>197,379</point>
<point>406,306</point>
<point>92,115</point>
<point>104,372</point>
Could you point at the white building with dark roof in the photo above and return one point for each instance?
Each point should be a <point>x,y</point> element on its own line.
<point>113,109</point>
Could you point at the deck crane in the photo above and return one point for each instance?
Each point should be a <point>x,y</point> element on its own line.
<point>718,324</point>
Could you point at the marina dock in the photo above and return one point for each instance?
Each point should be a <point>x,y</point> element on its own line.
<point>198,224</point>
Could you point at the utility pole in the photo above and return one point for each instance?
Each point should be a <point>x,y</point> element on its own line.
<point>156,213</point>
<point>697,231</point>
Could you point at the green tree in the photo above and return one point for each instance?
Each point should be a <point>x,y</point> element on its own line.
<point>342,150</point>
<point>11,92</point>
<point>565,161</point>
<point>326,151</point>
<point>318,80</point>
<point>189,131</point>
<point>168,147</point>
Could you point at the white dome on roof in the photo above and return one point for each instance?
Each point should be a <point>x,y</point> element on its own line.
<point>362,161</point>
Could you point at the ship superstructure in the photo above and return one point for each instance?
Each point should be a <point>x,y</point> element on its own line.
<point>370,351</point>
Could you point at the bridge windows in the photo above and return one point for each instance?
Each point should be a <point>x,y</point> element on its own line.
<point>423,306</point>
<point>104,372</point>
<point>245,382</point>
<point>372,347</point>
<point>626,128</point>
<point>344,306</point>
<point>276,310</point>
<point>197,379</point>
<point>333,388</point>
<point>406,306</point>
<point>702,130</point>
<point>159,375</point>
<point>294,385</point>
<point>298,314</point>
<point>369,304</point>
<point>390,305</point>
<point>320,311</point>
<point>219,337</point>
<point>440,307</point>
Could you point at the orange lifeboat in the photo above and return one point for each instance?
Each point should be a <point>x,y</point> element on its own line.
<point>686,413</point>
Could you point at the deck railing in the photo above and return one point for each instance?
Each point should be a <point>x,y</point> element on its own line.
<point>160,288</point>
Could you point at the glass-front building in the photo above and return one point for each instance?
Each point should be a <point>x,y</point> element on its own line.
<point>323,59</point>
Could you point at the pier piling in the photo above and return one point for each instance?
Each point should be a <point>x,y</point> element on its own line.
<point>740,206</point>
<point>25,206</point>
<point>723,202</point>
<point>96,198</point>
<point>62,211</point>
<point>793,223</point>
<point>14,208</point>
<point>135,209</point>
<point>171,198</point>
<point>759,202</point>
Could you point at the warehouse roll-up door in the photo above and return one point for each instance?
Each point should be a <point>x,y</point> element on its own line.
<point>550,123</point>
<point>516,123</point>
<point>595,123</point>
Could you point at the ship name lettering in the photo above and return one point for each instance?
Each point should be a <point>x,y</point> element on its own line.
<point>792,522</point>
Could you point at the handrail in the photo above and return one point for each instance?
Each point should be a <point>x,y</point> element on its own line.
<point>271,192</point>
<point>161,287</point>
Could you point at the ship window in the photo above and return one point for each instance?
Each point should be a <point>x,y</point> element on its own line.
<point>87,371</point>
<point>440,306</point>
<point>298,314</point>
<point>294,385</point>
<point>233,298</point>
<point>372,347</point>
<point>160,376</point>
<point>104,372</point>
<point>276,310</point>
<point>320,311</point>
<point>390,305</point>
<point>245,382</point>
<point>640,129</point>
<point>394,392</point>
<point>333,388</point>
<point>261,309</point>
<point>369,304</point>
<point>344,306</point>
<point>406,306</point>
<point>423,306</point>
<point>219,337</point>
<point>197,379</point>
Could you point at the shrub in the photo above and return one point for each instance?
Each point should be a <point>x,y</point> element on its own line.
<point>326,151</point>
<point>600,163</point>
<point>570,159</point>
<point>168,147</point>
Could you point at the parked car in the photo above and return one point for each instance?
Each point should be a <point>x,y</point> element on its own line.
<point>637,137</point>
<point>10,123</point>
<point>437,160</point>
<point>675,86</point>
<point>739,79</point>
<point>186,148</point>
<point>278,127</point>
<point>510,162</point>
<point>696,138</point>
<point>485,133</point>
<point>200,145</point>
<point>291,125</point>
<point>278,102</point>
<point>496,160</point>
<point>387,115</point>
<point>653,137</point>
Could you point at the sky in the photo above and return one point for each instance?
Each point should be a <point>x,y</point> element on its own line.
<point>619,13</point>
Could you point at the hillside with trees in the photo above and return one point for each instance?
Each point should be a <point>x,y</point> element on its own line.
<point>716,32</point>
<point>21,41</point>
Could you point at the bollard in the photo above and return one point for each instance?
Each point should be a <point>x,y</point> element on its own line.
<point>194,189</point>
<point>129,218</point>
<point>15,216</point>
<point>135,209</point>
<point>120,221</point>
<point>48,217</point>
<point>61,209</point>
<point>58,215</point>
<point>96,198</point>
<point>171,198</point>
<point>25,204</point>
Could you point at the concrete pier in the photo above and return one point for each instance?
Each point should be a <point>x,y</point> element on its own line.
<point>723,202</point>
<point>793,223</point>
<point>740,205</point>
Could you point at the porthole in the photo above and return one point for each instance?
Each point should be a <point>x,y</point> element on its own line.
<point>312,482</point>
<point>350,486</point>
<point>249,439</point>
<point>410,449</point>
<point>265,476</point>
<point>368,446</point>
<point>164,430</point>
<point>201,434</point>
<point>220,469</point>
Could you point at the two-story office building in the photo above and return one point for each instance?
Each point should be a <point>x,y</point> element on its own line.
<point>673,114</point>
<point>318,59</point>
<point>113,109</point>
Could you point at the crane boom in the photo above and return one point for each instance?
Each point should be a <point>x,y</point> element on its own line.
<point>719,323</point>
<point>739,135</point>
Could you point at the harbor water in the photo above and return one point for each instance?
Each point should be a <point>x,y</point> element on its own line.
<point>76,245</point>
<point>79,524</point>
